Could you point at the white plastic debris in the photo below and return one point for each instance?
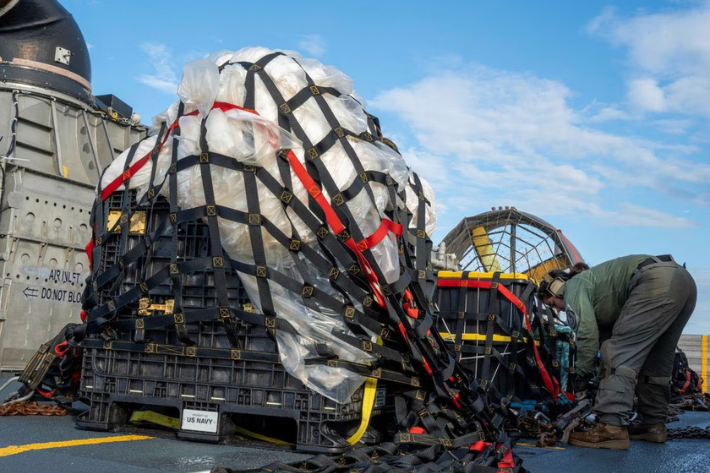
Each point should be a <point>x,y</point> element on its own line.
<point>255,139</point>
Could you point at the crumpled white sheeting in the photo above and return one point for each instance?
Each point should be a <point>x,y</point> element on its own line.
<point>255,139</point>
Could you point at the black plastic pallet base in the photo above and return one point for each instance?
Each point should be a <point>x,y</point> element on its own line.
<point>235,440</point>
<point>118,421</point>
<point>257,397</point>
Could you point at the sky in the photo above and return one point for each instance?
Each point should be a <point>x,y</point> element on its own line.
<point>591,115</point>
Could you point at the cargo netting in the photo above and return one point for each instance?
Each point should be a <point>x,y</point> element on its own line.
<point>272,159</point>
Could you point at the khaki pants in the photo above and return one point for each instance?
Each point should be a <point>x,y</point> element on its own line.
<point>639,355</point>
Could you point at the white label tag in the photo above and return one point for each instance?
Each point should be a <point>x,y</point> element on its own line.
<point>201,421</point>
<point>380,397</point>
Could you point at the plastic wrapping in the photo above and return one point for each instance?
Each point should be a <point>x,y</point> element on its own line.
<point>255,140</point>
<point>413,203</point>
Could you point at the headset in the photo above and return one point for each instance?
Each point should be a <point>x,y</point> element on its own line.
<point>555,286</point>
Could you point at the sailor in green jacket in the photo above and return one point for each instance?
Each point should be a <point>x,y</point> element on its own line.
<point>644,302</point>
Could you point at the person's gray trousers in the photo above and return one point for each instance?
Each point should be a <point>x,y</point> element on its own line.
<point>639,355</point>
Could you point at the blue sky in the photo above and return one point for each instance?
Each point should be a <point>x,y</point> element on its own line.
<point>591,115</point>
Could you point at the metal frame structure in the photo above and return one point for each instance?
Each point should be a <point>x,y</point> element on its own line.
<point>510,241</point>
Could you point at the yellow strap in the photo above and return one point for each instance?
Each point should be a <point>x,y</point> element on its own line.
<point>368,402</point>
<point>249,433</point>
<point>472,337</point>
<point>477,275</point>
<point>155,418</point>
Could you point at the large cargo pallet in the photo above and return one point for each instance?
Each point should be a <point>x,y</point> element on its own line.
<point>217,388</point>
<point>218,399</point>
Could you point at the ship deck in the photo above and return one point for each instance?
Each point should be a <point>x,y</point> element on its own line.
<point>55,444</point>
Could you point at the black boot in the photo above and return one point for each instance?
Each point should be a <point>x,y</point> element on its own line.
<point>648,432</point>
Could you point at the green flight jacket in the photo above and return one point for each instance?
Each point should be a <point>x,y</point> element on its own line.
<point>596,297</point>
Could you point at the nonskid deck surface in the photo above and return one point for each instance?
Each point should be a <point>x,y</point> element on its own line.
<point>55,444</point>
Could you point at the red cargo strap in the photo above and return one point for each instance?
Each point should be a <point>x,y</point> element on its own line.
<point>337,226</point>
<point>89,249</point>
<point>386,226</point>
<point>507,461</point>
<point>135,167</point>
<point>47,394</point>
<point>407,305</point>
<point>551,384</point>
<point>478,446</point>
<point>687,381</point>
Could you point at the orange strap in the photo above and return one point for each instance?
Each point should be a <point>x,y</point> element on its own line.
<point>551,384</point>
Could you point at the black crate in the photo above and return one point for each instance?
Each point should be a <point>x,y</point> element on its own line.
<point>109,100</point>
<point>198,289</point>
<point>471,310</point>
<point>245,385</point>
<point>256,396</point>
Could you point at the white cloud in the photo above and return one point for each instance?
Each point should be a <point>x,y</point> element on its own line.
<point>669,54</point>
<point>608,114</point>
<point>515,140</point>
<point>673,126</point>
<point>645,95</point>
<point>313,44</point>
<point>637,216</point>
<point>164,77</point>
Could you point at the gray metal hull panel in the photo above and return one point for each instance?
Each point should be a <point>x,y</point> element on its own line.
<point>61,148</point>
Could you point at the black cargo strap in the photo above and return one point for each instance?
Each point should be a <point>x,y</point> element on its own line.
<point>151,195</point>
<point>220,279</point>
<point>181,350</point>
<point>415,453</point>
<point>175,276</point>
<point>423,244</point>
